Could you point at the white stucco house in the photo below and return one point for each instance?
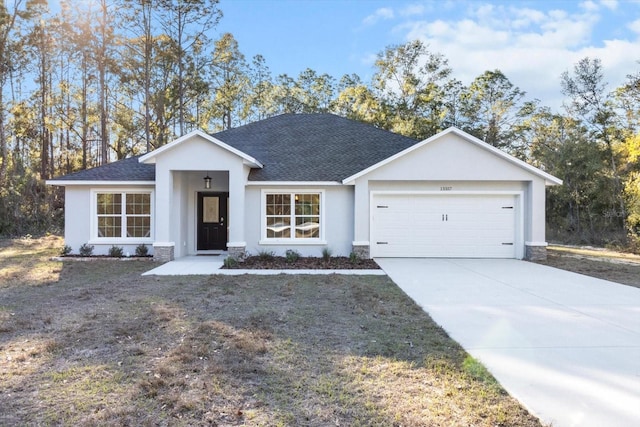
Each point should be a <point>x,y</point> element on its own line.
<point>309,182</point>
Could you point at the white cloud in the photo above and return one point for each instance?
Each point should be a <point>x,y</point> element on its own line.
<point>634,26</point>
<point>610,4</point>
<point>567,31</point>
<point>413,10</point>
<point>380,14</point>
<point>526,17</point>
<point>532,47</point>
<point>589,6</point>
<point>369,59</point>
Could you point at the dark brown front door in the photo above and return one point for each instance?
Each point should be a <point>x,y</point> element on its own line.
<point>212,221</point>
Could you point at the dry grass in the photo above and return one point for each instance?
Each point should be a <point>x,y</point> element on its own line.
<point>96,343</point>
<point>605,264</point>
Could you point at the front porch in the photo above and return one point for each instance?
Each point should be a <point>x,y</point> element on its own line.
<point>180,192</point>
<point>197,219</point>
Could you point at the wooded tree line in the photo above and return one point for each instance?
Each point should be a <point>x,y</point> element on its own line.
<point>99,81</point>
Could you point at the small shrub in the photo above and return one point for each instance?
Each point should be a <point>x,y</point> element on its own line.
<point>326,255</point>
<point>230,262</point>
<point>266,255</point>
<point>292,255</point>
<point>354,258</point>
<point>116,252</point>
<point>86,250</point>
<point>142,250</point>
<point>66,250</point>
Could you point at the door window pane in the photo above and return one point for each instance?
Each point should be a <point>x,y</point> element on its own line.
<point>211,209</point>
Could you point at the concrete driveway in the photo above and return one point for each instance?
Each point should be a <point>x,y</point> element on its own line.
<point>566,346</point>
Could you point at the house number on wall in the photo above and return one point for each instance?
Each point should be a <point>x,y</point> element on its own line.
<point>446,188</point>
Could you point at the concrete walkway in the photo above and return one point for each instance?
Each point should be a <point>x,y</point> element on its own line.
<point>566,346</point>
<point>189,265</point>
<point>206,265</point>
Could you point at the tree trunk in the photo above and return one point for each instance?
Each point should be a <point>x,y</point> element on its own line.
<point>83,112</point>
<point>102,71</point>
<point>44,142</point>
<point>148,52</point>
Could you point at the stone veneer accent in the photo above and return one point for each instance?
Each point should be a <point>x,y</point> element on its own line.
<point>362,251</point>
<point>163,253</point>
<point>238,252</point>
<point>535,253</point>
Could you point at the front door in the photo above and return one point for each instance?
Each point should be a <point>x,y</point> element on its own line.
<point>212,221</point>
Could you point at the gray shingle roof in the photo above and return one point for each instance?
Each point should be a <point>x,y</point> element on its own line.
<point>123,170</point>
<point>292,147</point>
<point>312,147</point>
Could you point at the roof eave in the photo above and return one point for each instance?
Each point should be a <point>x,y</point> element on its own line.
<point>66,183</point>
<point>294,183</point>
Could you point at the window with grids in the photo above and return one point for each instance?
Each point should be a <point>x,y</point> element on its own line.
<point>123,215</point>
<point>292,216</point>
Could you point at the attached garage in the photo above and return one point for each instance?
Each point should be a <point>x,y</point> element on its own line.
<point>451,196</point>
<point>458,225</point>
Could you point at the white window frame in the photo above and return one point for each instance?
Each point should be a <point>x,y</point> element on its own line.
<point>264,240</point>
<point>95,239</point>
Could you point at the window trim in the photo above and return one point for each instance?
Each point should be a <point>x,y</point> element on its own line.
<point>264,240</point>
<point>95,239</point>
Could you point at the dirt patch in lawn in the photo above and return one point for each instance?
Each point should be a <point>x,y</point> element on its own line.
<point>98,344</point>
<point>601,263</point>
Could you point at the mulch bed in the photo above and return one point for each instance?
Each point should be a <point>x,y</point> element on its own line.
<point>75,257</point>
<point>304,263</point>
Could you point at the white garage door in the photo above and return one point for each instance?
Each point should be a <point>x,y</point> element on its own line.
<point>451,226</point>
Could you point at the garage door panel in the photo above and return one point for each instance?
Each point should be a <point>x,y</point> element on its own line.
<point>406,225</point>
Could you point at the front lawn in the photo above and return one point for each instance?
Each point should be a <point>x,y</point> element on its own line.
<point>96,343</point>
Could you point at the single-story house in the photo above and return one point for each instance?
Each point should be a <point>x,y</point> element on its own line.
<point>309,182</point>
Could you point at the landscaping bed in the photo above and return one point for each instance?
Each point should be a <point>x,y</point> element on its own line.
<point>73,257</point>
<point>303,263</point>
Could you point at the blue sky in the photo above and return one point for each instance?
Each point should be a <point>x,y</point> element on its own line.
<point>532,42</point>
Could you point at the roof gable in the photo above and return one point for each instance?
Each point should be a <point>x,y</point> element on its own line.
<point>150,158</point>
<point>549,179</point>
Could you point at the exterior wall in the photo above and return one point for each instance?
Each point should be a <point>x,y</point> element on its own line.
<point>338,222</point>
<point>77,216</point>
<point>453,164</point>
<point>78,221</point>
<point>536,232</point>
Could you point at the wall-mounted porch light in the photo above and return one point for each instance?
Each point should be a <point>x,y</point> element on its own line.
<point>207,181</point>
